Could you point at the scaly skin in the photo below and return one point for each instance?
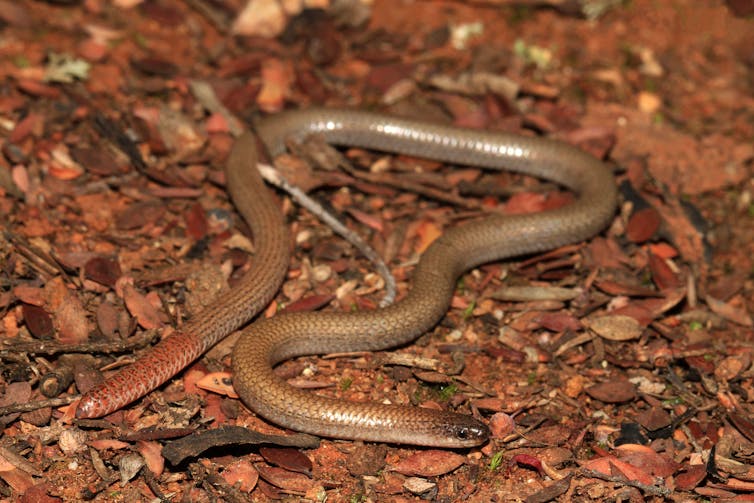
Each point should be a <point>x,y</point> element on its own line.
<point>497,237</point>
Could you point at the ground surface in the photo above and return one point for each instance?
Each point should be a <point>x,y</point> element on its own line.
<point>624,371</point>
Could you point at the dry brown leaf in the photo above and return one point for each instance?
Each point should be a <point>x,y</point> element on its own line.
<point>615,327</point>
<point>218,382</point>
<point>139,306</point>
<point>429,463</point>
<point>152,453</point>
<point>608,465</point>
<point>737,315</point>
<point>241,472</point>
<point>284,479</point>
<point>68,314</point>
<point>289,458</point>
<point>617,391</point>
<point>501,425</point>
<point>647,459</point>
<point>427,232</point>
<point>643,224</point>
<point>732,366</point>
<point>277,79</point>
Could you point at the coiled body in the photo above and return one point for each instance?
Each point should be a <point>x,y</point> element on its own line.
<point>497,237</point>
<point>270,341</point>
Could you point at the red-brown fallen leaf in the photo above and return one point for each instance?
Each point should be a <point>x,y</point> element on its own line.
<point>38,493</point>
<point>527,461</point>
<point>462,175</point>
<point>30,295</point>
<point>617,391</point>
<point>218,382</point>
<point>427,232</point>
<point>556,434</point>
<point>687,238</point>
<point>284,479</point>
<point>690,477</point>
<point>277,78</point>
<point>391,483</point>
<point>501,425</point>
<point>606,254</point>
<point>525,202</point>
<point>643,224</point>
<point>103,270</point>
<point>574,386</point>
<point>735,484</point>
<point>662,250</point>
<point>20,176</point>
<point>108,319</point>
<point>493,404</point>
<point>289,458</point>
<point>429,463</point>
<point>637,311</point>
<point>466,113</point>
<point>38,321</point>
<point>16,392</point>
<point>662,275</point>
<point>715,492</point>
<point>19,480</point>
<point>196,222</point>
<point>15,14</point>
<point>215,407</point>
<point>139,306</point>
<point>383,76</point>
<point>731,367</point>
<point>743,423</point>
<point>243,473</point>
<point>610,465</point>
<point>62,166</point>
<point>32,124</point>
<point>70,318</point>
<point>311,303</point>
<point>725,287</point>
<point>269,491</point>
<point>193,375</point>
<point>36,88</point>
<point>216,123</point>
<point>653,418</point>
<point>647,459</point>
<point>559,322</point>
<point>616,288</point>
<point>645,311</point>
<point>152,453</point>
<point>92,50</point>
<point>371,221</point>
<point>730,312</point>
<point>140,214</point>
<point>108,443</point>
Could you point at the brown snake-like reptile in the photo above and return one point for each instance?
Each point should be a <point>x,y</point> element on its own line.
<point>270,341</point>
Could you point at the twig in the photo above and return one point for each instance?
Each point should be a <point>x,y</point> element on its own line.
<point>272,176</point>
<point>409,186</point>
<point>216,17</point>
<point>41,404</point>
<point>54,347</point>
<point>37,258</point>
<point>618,479</point>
